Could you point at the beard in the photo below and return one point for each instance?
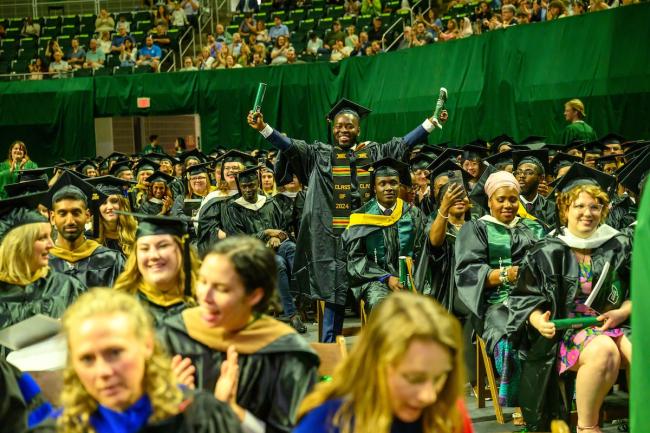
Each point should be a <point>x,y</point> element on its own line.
<point>72,236</point>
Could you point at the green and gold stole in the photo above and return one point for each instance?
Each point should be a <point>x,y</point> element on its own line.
<point>351,185</point>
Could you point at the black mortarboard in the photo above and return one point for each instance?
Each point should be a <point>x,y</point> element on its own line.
<point>26,187</point>
<point>192,154</point>
<point>116,155</point>
<point>532,139</point>
<point>631,146</point>
<point>473,153</point>
<point>537,157</point>
<point>145,164</point>
<point>165,157</point>
<point>159,176</point>
<point>563,160</point>
<point>612,137</point>
<point>19,211</point>
<point>604,160</point>
<point>88,163</point>
<point>110,185</point>
<point>238,156</point>
<point>33,174</point>
<point>502,139</point>
<point>120,166</point>
<point>347,106</point>
<point>420,161</point>
<point>199,168</point>
<point>430,150</point>
<point>580,174</point>
<point>443,169</point>
<point>448,154</point>
<point>268,165</point>
<point>575,144</point>
<point>593,147</point>
<point>249,174</point>
<point>477,194</point>
<point>479,142</point>
<point>500,160</point>
<point>390,167</point>
<point>634,178</point>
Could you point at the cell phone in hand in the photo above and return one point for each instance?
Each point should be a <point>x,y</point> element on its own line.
<point>455,176</point>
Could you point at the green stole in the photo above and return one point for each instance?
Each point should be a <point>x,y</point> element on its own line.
<point>351,185</point>
<point>375,246</point>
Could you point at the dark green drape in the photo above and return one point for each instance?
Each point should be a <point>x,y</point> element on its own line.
<point>511,81</point>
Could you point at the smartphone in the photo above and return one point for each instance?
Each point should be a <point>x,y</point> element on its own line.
<point>455,176</point>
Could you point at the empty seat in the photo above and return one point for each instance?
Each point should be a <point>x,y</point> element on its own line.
<point>70,20</point>
<point>316,13</point>
<point>298,14</point>
<point>83,72</point>
<point>335,11</point>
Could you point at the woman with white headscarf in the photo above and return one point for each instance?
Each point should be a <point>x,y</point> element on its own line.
<point>488,253</point>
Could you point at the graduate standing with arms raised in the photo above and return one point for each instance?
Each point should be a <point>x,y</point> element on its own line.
<point>336,186</point>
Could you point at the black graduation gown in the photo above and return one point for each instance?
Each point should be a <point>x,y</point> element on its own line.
<point>318,249</point>
<point>622,212</point>
<point>50,295</point>
<point>149,207</point>
<point>100,269</point>
<point>473,267</point>
<point>544,210</point>
<point>240,220</point>
<point>160,313</point>
<point>272,382</point>
<point>210,222</point>
<point>364,268</point>
<point>548,280</point>
<point>177,187</point>
<point>292,209</point>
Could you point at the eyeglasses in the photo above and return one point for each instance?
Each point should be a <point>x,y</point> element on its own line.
<point>593,208</point>
<point>526,173</point>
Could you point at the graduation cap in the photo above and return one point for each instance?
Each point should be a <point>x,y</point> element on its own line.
<point>580,174</point>
<point>249,174</point>
<point>26,187</point>
<point>631,146</point>
<point>389,167</point>
<point>563,160</point>
<point>19,211</point>
<point>448,154</point>
<point>238,156</point>
<point>609,159</point>
<point>85,165</point>
<point>346,106</point>
<point>477,194</point>
<point>192,154</point>
<point>110,185</point>
<point>536,157</point>
<point>36,343</point>
<point>164,157</point>
<point>421,161</point>
<point>268,165</point>
<point>145,164</point>
<point>474,153</point>
<point>576,144</point>
<point>115,155</point>
<point>500,160</point>
<point>159,176</point>
<point>612,138</point>
<point>199,168</point>
<point>150,225</point>
<point>120,167</point>
<point>443,169</point>
<point>635,177</point>
<point>593,147</point>
<point>479,142</point>
<point>502,139</point>
<point>32,174</point>
<point>532,139</point>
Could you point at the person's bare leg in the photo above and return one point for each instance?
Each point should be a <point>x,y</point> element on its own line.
<point>597,370</point>
<point>625,348</point>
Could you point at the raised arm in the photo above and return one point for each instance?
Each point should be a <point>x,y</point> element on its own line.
<point>422,131</point>
<point>277,140</point>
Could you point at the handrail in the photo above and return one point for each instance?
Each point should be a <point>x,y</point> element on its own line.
<point>383,37</point>
<point>218,7</point>
<point>412,9</point>
<point>173,65</point>
<point>181,50</point>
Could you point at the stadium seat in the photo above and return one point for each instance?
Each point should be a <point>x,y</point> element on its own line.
<point>51,21</point>
<point>13,32</point>
<point>335,11</point>
<point>20,66</point>
<point>280,14</point>
<point>363,21</point>
<point>141,16</point>
<point>64,42</point>
<point>88,23</point>
<point>139,38</point>
<point>49,32</point>
<point>84,40</point>
<point>15,22</point>
<point>266,7</point>
<point>143,26</point>
<point>174,34</point>
<point>316,13</point>
<point>290,25</point>
<point>298,14</point>
<point>122,70</point>
<point>102,72</point>
<point>112,61</point>
<point>143,69</point>
<point>26,54</point>
<point>28,43</point>
<point>346,22</point>
<point>318,3</point>
<point>83,72</point>
<point>70,20</point>
<point>68,30</point>
<point>43,41</point>
<point>305,26</point>
<point>232,29</point>
<point>237,19</point>
<point>325,24</point>
<point>5,67</point>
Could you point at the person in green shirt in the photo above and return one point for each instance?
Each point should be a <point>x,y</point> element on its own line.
<point>371,7</point>
<point>17,160</point>
<point>153,146</point>
<point>574,112</point>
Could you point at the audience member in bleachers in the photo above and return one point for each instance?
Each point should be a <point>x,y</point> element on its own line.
<point>161,16</point>
<point>104,22</point>
<point>258,60</point>
<point>522,17</point>
<point>231,63</point>
<point>76,56</point>
<point>362,45</point>
<point>314,44</point>
<point>220,62</point>
<point>278,29</point>
<point>370,7</point>
<point>30,28</point>
<point>119,40</point>
<point>508,15</point>
<point>128,54</point>
<point>95,56</point>
<point>3,31</point>
<point>261,32</point>
<point>17,159</point>
<point>191,8</point>
<point>451,32</point>
<point>352,8</point>
<point>205,60</point>
<point>245,55</point>
<point>376,32</point>
<point>407,39</point>
<point>333,35</point>
<point>59,68</point>
<point>465,28</point>
<point>161,38</point>
<point>37,69</point>
<point>179,17</point>
<point>247,26</point>
<point>339,51</point>
<point>577,129</point>
<point>52,47</point>
<point>235,46</point>
<point>422,36</point>
<point>105,42</point>
<point>556,9</point>
<point>352,39</point>
<point>150,54</point>
<point>122,23</point>
<point>188,64</point>
<point>279,52</point>
<point>292,58</point>
<point>221,35</point>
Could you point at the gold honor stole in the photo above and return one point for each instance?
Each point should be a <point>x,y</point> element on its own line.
<point>351,185</point>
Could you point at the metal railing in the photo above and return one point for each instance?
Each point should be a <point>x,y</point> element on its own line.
<point>172,67</point>
<point>388,30</point>
<point>184,47</point>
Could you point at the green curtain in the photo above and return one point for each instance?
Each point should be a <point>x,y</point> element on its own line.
<point>511,81</point>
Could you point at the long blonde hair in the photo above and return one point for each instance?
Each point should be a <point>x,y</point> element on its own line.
<point>126,227</point>
<point>361,379</point>
<point>16,254</point>
<point>159,382</point>
<point>130,279</point>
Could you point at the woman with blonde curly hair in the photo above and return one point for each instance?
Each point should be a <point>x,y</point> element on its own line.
<point>118,378</point>
<point>416,381</point>
<point>162,269</point>
<point>582,273</point>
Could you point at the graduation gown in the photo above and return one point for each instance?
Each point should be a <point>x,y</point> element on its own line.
<point>622,212</point>
<point>277,366</point>
<point>49,295</point>
<point>238,219</point>
<point>373,251</point>
<point>210,222</point>
<point>544,210</point>
<point>150,207</point>
<point>292,209</point>
<point>548,280</point>
<point>319,252</point>
<point>160,312</point>
<point>473,251</point>
<point>92,264</point>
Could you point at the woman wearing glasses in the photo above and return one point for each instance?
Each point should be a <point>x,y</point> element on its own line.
<point>556,279</point>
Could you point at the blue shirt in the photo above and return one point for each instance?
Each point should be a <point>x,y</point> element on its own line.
<point>154,51</point>
<point>280,30</point>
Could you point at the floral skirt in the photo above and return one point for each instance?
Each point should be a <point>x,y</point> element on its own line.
<point>574,341</point>
<point>508,366</point>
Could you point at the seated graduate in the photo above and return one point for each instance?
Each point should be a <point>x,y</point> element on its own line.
<point>416,381</point>
<point>488,252</point>
<point>267,175</point>
<point>119,379</point>
<point>187,159</point>
<point>73,254</point>
<point>162,270</point>
<point>380,232</point>
<point>143,169</point>
<point>277,367</point>
<point>27,285</point>
<point>159,200</point>
<point>631,178</point>
<point>582,270</point>
<point>531,167</point>
<point>291,197</point>
<point>198,187</point>
<point>116,232</point>
<point>419,165</point>
<point>232,162</point>
<point>257,215</point>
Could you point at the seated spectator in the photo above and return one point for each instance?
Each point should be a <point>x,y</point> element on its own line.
<point>122,23</point>
<point>483,12</point>
<point>422,35</point>
<point>104,22</point>
<point>247,26</point>
<point>538,13</point>
<point>579,7</point>
<point>370,7</point>
<point>409,40</point>
<point>262,51</point>
<point>508,15</point>
<point>556,9</point>
<point>149,54</point>
<point>179,17</point>
<point>523,17</point>
<point>376,33</point>
<point>161,16</point>
<point>3,31</point>
<point>95,56</point>
<point>465,28</point>
<point>279,52</point>
<point>258,60</point>
<point>105,42</point>
<point>351,40</point>
<point>362,44</point>
<point>451,32</point>
<point>76,56</point>
<point>314,44</point>
<point>261,33</point>
<point>191,8</point>
<point>52,46</point>
<point>30,28</point>
<point>205,60</point>
<point>335,34</point>
<point>339,51</point>
<point>230,62</point>
<point>161,38</point>
<point>221,35</point>
<point>221,57</point>
<point>278,29</point>
<point>244,56</point>
<point>352,8</point>
<point>252,5</point>
<point>375,48</point>
<point>36,69</point>
<point>598,5</point>
<point>59,66</point>
<point>495,22</point>
<point>119,40</point>
<point>235,46</point>
<point>431,20</point>
<point>292,58</point>
<point>188,65</point>
<point>278,5</point>
<point>128,53</point>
